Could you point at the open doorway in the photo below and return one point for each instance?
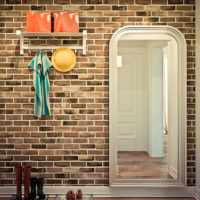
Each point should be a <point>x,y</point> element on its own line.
<point>143,110</point>
<point>176,58</point>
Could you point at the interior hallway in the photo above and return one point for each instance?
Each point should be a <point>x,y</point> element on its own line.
<point>138,164</point>
<point>143,198</point>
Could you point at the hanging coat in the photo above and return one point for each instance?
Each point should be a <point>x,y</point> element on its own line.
<point>41,64</point>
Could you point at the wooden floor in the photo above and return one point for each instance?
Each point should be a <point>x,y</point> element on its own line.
<point>138,164</point>
<point>104,198</point>
<point>144,198</point>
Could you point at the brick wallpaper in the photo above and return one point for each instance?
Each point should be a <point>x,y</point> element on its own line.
<point>71,146</point>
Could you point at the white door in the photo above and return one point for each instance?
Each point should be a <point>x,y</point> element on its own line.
<point>130,100</point>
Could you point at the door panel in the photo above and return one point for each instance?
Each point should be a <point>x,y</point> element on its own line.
<point>130,88</point>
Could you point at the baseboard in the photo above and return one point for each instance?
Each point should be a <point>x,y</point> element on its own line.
<point>197,193</point>
<point>104,191</point>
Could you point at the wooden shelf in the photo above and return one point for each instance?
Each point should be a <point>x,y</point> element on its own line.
<point>25,46</point>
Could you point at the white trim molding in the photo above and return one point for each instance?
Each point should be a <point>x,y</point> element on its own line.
<point>161,33</point>
<point>197,192</point>
<point>105,191</point>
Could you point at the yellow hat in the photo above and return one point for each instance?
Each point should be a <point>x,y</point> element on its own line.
<point>63,59</point>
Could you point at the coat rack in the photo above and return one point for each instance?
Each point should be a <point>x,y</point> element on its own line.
<point>62,34</point>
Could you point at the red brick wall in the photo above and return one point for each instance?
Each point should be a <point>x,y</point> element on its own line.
<point>71,146</point>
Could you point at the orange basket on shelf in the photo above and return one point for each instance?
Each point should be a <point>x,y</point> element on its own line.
<point>38,22</point>
<point>66,22</point>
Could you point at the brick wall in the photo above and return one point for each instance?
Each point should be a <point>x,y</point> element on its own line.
<point>71,146</point>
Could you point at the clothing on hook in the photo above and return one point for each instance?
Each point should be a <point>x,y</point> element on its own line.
<point>41,64</point>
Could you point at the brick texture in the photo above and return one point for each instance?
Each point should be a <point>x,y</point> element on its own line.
<point>71,146</point>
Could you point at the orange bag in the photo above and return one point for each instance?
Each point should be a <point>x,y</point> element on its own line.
<point>38,22</point>
<point>66,22</point>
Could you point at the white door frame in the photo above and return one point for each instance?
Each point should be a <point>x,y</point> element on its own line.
<point>148,33</point>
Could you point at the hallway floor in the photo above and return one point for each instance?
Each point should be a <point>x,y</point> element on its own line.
<point>144,198</point>
<point>138,164</point>
<point>121,198</point>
